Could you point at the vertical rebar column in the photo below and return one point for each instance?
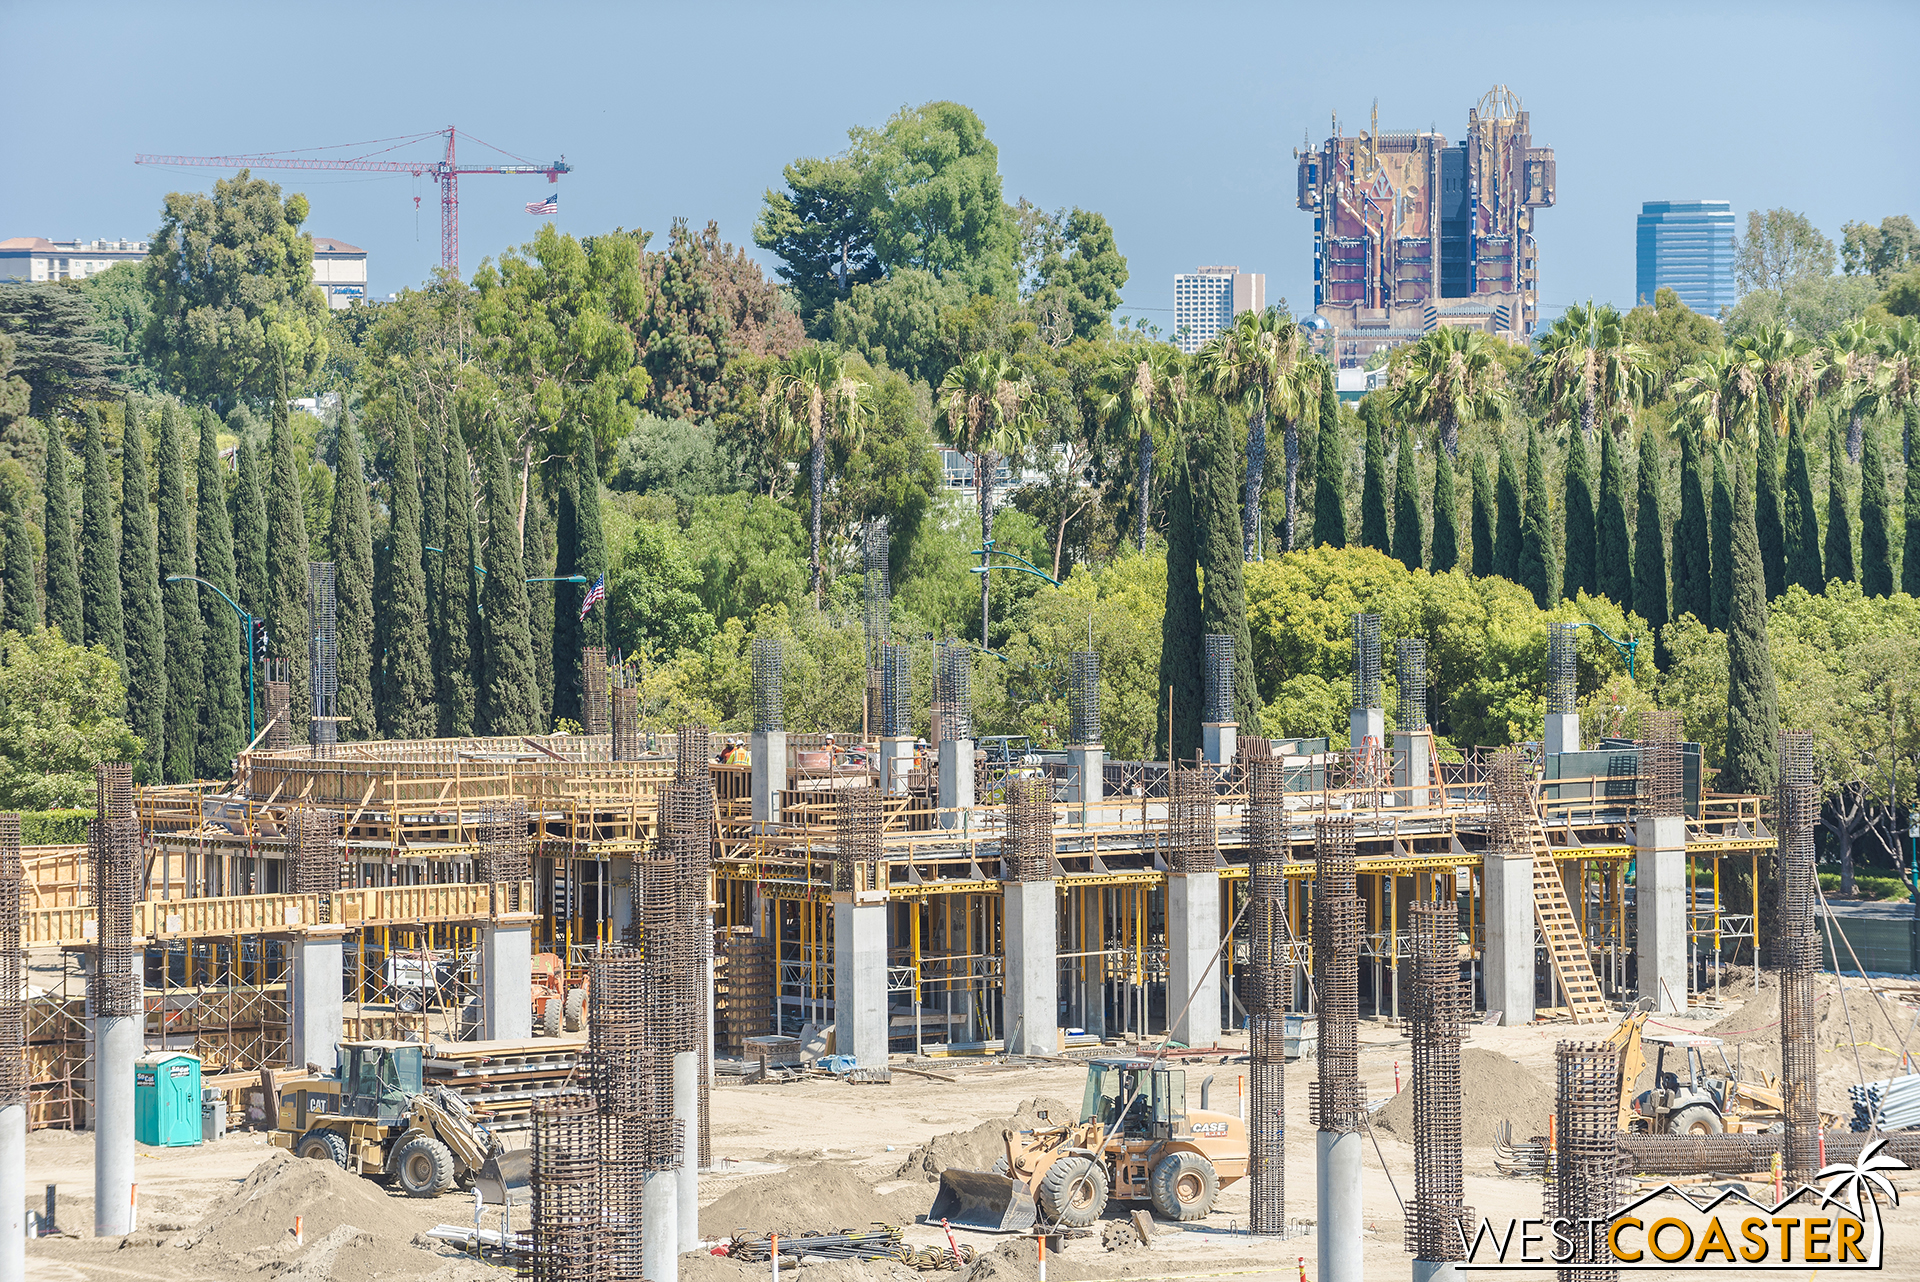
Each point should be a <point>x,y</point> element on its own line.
<point>1267,990</point>
<point>313,855</point>
<point>956,692</point>
<point>877,592</point>
<point>1435,1014</point>
<point>638,1139</point>
<point>1193,820</point>
<point>626,723</point>
<point>1410,684</point>
<point>769,705</point>
<point>1338,1104</point>
<point>1029,852</point>
<point>506,850</point>
<point>1366,661</point>
<point>323,656</point>
<point>896,690</point>
<point>1219,654</point>
<point>693,770</point>
<point>1797,949</point>
<point>1660,766</point>
<point>1083,699</point>
<point>594,712</point>
<point>13,1059</point>
<point>567,1240</point>
<point>277,703</point>
<point>1562,669</point>
<point>1585,1189</point>
<point>113,845</point>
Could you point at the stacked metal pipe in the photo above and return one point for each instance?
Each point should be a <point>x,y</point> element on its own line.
<point>1267,987</point>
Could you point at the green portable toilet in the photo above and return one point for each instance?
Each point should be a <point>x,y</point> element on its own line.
<point>166,1100</point>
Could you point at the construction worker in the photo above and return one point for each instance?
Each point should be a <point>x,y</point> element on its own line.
<point>735,755</point>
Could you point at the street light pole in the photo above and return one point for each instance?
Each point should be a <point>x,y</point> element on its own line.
<point>247,621</point>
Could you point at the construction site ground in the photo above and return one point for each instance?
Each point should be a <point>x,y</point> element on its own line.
<point>827,1155</point>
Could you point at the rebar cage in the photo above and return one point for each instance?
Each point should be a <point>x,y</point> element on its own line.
<point>1436,1013</point>
<point>1267,983</point>
<point>1410,686</point>
<point>1797,950</point>
<point>13,1006</point>
<point>323,655</point>
<point>1219,678</point>
<point>1193,821</point>
<point>769,704</point>
<point>1366,661</point>
<point>113,846</point>
<point>877,590</point>
<point>1563,655</point>
<point>896,690</point>
<point>1083,698</point>
<point>1660,766</point>
<point>594,712</point>
<point>1586,1182</point>
<point>955,695</point>
<point>1029,841</point>
<point>1339,1104</point>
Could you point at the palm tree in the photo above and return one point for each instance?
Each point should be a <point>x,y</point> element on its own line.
<point>1450,375</point>
<point>1144,390</point>
<point>1714,395</point>
<point>1261,359</point>
<point>1778,367</point>
<point>1856,376</point>
<point>989,410</point>
<point>813,397</point>
<point>1587,366</point>
<point>1900,358</point>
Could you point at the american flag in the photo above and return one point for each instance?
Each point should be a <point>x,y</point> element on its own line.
<point>598,592</point>
<point>551,205</point>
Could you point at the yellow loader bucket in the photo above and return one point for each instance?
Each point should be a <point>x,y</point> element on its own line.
<point>983,1200</point>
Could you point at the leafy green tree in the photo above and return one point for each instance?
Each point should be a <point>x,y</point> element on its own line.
<point>1720,599</point>
<point>458,597</point>
<point>1673,335</point>
<point>56,349</point>
<point>1258,359</point>
<point>351,529</point>
<point>121,310</point>
<point>1613,558</point>
<point>250,529</point>
<point>1769,522</point>
<point>1408,545</point>
<point>1076,265</point>
<point>580,548</point>
<point>816,397</point>
<point>538,550</point>
<point>1692,545</point>
<point>1802,525</point>
<point>1330,467</point>
<point>1481,520</point>
<point>64,610</point>
<point>1446,514</point>
<point>1650,545</point>
<point>1893,246</point>
<point>1581,572</point>
<point>287,558</point>
<point>684,335</point>
<point>1536,528</point>
<point>1779,248</point>
<point>146,635</point>
<point>1876,552</point>
<point>406,707</point>
<point>221,721</point>
<point>1181,689</point>
<point>235,309</point>
<point>821,231</point>
<point>654,595</point>
<point>185,658</point>
<point>932,183</point>
<point>896,323</point>
<point>21,598</point>
<point>1215,477</point>
<point>989,412</point>
<point>1509,518</point>
<point>60,715</point>
<point>1839,551</point>
<point>507,703</point>
<point>1449,376</point>
<point>1751,763</point>
<point>1143,391</point>
<point>15,396</point>
<point>100,605</point>
<point>1373,482</point>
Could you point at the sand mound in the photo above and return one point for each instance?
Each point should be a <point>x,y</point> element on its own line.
<point>821,1197</point>
<point>1493,1089</point>
<point>258,1215</point>
<point>979,1148</point>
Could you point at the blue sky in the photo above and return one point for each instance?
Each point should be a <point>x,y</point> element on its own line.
<point>1176,121</point>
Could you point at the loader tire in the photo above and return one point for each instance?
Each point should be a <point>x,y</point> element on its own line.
<point>1073,1192</point>
<point>1695,1119</point>
<point>1183,1186</point>
<point>576,1013</point>
<point>323,1145</point>
<point>423,1166</point>
<point>550,1018</point>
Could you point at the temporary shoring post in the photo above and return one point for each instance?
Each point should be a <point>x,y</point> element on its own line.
<point>247,621</point>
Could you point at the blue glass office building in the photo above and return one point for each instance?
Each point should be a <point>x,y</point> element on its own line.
<point>1686,246</point>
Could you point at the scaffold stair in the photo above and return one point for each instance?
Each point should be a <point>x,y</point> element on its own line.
<point>1566,946</point>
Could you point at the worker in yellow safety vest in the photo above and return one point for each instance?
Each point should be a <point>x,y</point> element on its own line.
<point>736,754</point>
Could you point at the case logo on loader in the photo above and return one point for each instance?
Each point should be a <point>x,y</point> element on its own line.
<point>1209,1128</point>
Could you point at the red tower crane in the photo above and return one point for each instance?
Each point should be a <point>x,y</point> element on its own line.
<point>445,171</point>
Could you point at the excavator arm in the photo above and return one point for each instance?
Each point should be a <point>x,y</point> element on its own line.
<point>1633,1059</point>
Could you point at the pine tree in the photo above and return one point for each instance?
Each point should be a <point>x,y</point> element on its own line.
<point>1753,710</point>
<point>146,636</point>
<point>351,529</point>
<point>1509,502</point>
<point>1408,546</point>
<point>1692,552</point>
<point>1650,548</point>
<point>1481,519</point>
<point>1222,554</point>
<point>1720,602</point>
<point>63,563</point>
<point>223,711</point>
<point>1536,527</point>
<point>1613,551</point>
<point>1329,471</point>
<point>250,530</point>
<point>1182,686</point>
<point>1876,553</point>
<point>540,611</point>
<point>1580,572</point>
<point>506,703</point>
<point>1446,514</point>
<point>1769,523</point>
<point>1373,490</point>
<point>287,572</point>
<point>406,676</point>
<point>100,605</point>
<point>22,599</point>
<point>180,601</point>
<point>1802,524</point>
<point>459,596</point>
<point>1839,557</point>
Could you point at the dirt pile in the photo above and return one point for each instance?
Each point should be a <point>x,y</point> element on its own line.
<point>1876,1027</point>
<point>978,1149</point>
<point>256,1218</point>
<point>1493,1089</point>
<point>821,1197</point>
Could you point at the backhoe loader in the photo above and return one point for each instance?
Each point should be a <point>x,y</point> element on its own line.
<point>1694,1096</point>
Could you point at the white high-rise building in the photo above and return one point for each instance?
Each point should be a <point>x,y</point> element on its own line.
<point>1206,301</point>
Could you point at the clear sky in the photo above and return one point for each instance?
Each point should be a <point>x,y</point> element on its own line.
<point>1177,121</point>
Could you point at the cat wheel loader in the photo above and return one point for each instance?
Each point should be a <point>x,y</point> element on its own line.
<point>374,1115</point>
<point>1135,1141</point>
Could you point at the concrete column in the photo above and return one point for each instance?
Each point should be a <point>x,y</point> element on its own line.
<point>860,982</point>
<point>1507,885</point>
<point>317,979</point>
<point>621,905</point>
<point>506,980</point>
<point>117,1046</point>
<point>1412,769</point>
<point>1563,732</point>
<point>1032,1011</point>
<point>1365,723</point>
<point>1219,741</point>
<point>1437,1271</point>
<point>896,759</point>
<point>1086,777</point>
<point>686,1111</point>
<point>956,781</point>
<point>1336,1180</point>
<point>13,1193</point>
<point>1193,936</point>
<point>660,1226</point>
<point>768,772</point>
<point>1660,911</point>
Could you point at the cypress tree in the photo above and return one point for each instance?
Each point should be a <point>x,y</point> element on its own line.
<point>406,676</point>
<point>1330,470</point>
<point>1509,502</point>
<point>180,601</point>
<point>1580,574</point>
<point>140,593</point>
<point>250,530</point>
<point>459,595</point>
<point>1753,710</point>
<point>22,599</point>
<point>351,530</point>
<point>100,605</point>
<point>223,695</point>
<point>1613,551</point>
<point>1802,525</point>
<point>1446,514</point>
<point>1876,553</point>
<point>540,611</point>
<point>430,454</point>
<point>1910,552</point>
<point>63,563</point>
<point>592,556</point>
<point>1692,553</point>
<point>1222,554</point>
<point>1481,519</point>
<point>580,548</point>
<point>1839,558</point>
<point>1373,490</point>
<point>287,572</point>
<point>1536,528</point>
<point>1408,546</point>
<point>506,704</point>
<point>1182,652</point>
<point>1769,523</point>
<point>1650,548</point>
<point>1720,601</point>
